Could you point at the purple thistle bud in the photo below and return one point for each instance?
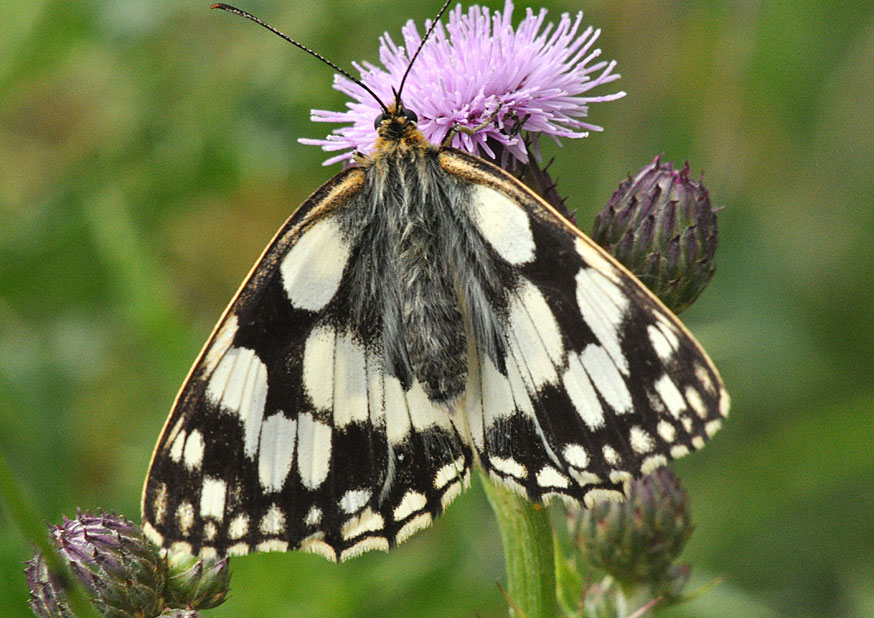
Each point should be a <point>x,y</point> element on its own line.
<point>661,226</point>
<point>47,598</point>
<point>110,556</point>
<point>478,67</point>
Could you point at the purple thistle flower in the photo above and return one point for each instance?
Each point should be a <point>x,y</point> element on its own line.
<point>476,64</point>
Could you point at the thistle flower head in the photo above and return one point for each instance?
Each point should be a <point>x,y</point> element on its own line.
<point>479,68</point>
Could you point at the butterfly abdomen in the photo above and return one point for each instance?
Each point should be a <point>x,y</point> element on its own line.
<point>427,270</point>
<point>422,322</point>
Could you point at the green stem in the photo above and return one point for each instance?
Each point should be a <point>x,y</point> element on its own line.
<point>526,534</point>
<point>24,515</point>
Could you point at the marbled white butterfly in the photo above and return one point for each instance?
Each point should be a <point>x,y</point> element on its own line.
<point>421,311</point>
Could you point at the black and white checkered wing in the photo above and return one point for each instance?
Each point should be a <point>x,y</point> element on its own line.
<point>288,432</point>
<point>596,382</point>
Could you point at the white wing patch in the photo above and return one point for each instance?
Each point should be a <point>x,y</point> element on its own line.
<point>313,451</point>
<point>503,224</point>
<point>508,466</point>
<point>185,517</point>
<point>610,455</point>
<point>412,502</point>
<point>354,500</point>
<point>663,341</point>
<point>276,454</point>
<point>473,398</point>
<point>177,446</point>
<point>397,417</point>
<point>239,386</point>
<point>497,399</point>
<point>534,336</point>
<point>640,440</point>
<point>212,498</point>
<point>603,307</point>
<point>671,396</point>
<point>576,456</point>
<point>313,516</point>
<point>606,378</point>
<point>238,527</point>
<point>375,391</point>
<point>318,365</point>
<point>423,413</point>
<point>313,267</point>
<point>550,477</point>
<point>419,522</point>
<point>350,382</point>
<point>696,402</point>
<point>273,521</point>
<point>667,431</point>
<point>192,456</point>
<point>367,521</point>
<point>582,394</point>
<point>450,473</point>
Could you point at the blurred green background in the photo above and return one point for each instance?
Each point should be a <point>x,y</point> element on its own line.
<point>148,152</point>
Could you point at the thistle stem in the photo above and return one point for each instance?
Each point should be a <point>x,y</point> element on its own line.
<point>526,534</point>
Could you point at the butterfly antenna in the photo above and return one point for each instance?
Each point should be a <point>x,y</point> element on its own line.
<point>250,17</point>
<point>421,45</point>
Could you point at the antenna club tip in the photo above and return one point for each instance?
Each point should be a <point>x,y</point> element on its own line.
<point>219,5</point>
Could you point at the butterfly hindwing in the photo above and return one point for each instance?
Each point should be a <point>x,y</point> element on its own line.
<point>599,382</point>
<point>289,433</point>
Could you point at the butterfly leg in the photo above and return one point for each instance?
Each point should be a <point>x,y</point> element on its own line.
<point>518,123</point>
<point>457,128</point>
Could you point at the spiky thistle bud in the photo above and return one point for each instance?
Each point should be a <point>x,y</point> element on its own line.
<point>47,598</point>
<point>636,541</point>
<point>661,226</point>
<point>118,566</point>
<point>196,583</point>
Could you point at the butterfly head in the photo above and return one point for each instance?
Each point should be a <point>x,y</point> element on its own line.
<point>398,125</point>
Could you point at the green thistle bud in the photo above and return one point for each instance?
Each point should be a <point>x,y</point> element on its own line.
<point>110,556</point>
<point>661,226</point>
<point>196,583</point>
<point>636,541</point>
